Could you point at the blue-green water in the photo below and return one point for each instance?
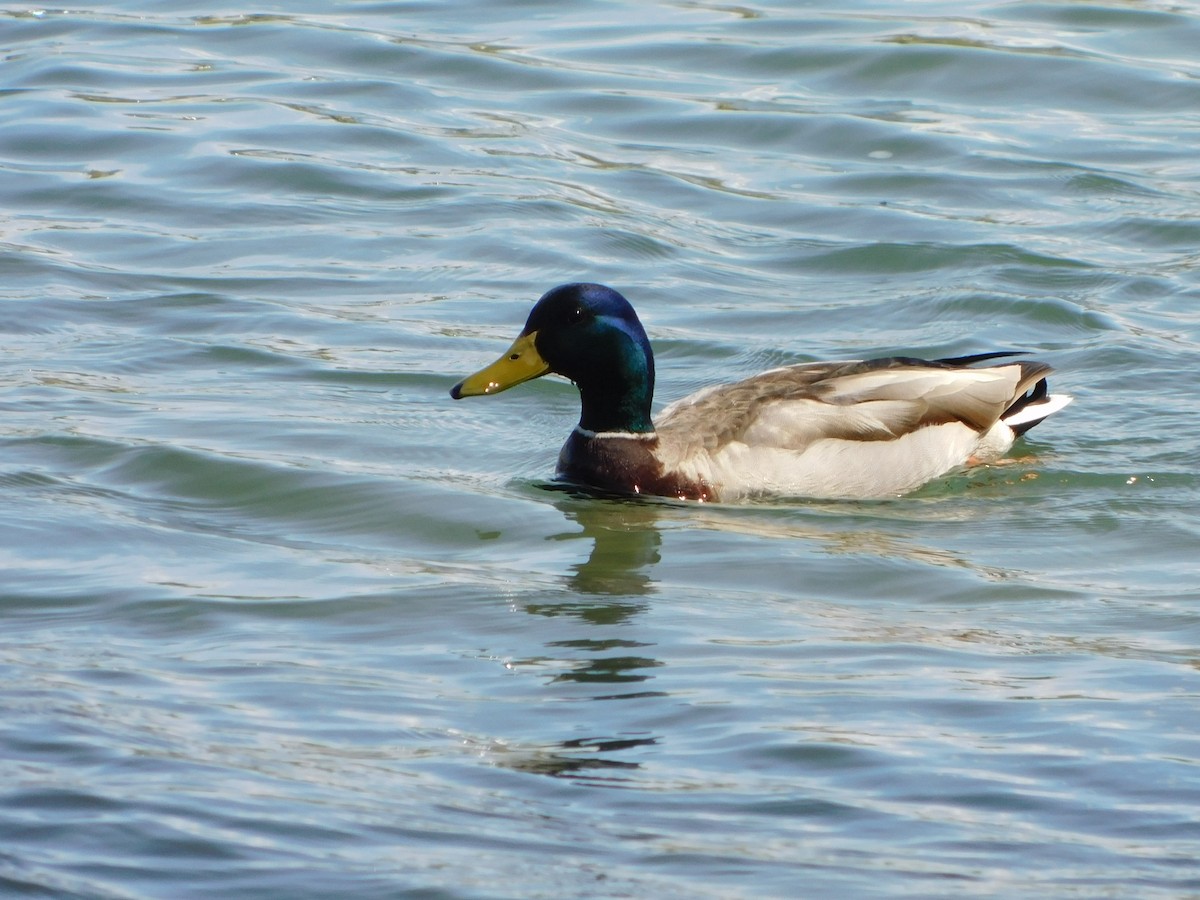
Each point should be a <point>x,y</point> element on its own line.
<point>280,619</point>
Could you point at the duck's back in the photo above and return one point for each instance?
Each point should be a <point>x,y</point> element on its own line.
<point>872,428</point>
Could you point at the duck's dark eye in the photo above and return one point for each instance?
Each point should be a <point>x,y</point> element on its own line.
<point>576,314</point>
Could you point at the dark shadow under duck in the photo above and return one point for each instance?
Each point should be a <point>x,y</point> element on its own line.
<point>850,430</point>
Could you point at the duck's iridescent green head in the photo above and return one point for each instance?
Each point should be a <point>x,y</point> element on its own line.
<point>590,334</point>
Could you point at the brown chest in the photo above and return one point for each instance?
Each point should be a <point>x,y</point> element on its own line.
<point>626,465</point>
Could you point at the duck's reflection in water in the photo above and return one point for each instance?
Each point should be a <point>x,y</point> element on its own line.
<point>626,535</point>
<point>613,581</point>
<point>591,759</point>
<point>625,541</point>
<point>605,589</point>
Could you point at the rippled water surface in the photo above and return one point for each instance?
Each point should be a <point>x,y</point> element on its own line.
<point>280,619</point>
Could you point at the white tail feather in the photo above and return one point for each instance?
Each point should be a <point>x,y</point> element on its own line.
<point>1035,412</point>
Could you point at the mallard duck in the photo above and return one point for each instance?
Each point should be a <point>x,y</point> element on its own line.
<point>839,430</point>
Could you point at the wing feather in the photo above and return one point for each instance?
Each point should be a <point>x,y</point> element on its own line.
<point>873,400</point>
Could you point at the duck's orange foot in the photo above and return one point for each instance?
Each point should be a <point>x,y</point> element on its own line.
<point>974,460</point>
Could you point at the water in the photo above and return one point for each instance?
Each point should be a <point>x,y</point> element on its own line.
<point>280,619</point>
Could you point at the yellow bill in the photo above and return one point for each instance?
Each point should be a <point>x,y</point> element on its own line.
<point>520,363</point>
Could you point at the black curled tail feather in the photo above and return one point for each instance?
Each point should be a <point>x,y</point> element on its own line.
<point>1037,394</point>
